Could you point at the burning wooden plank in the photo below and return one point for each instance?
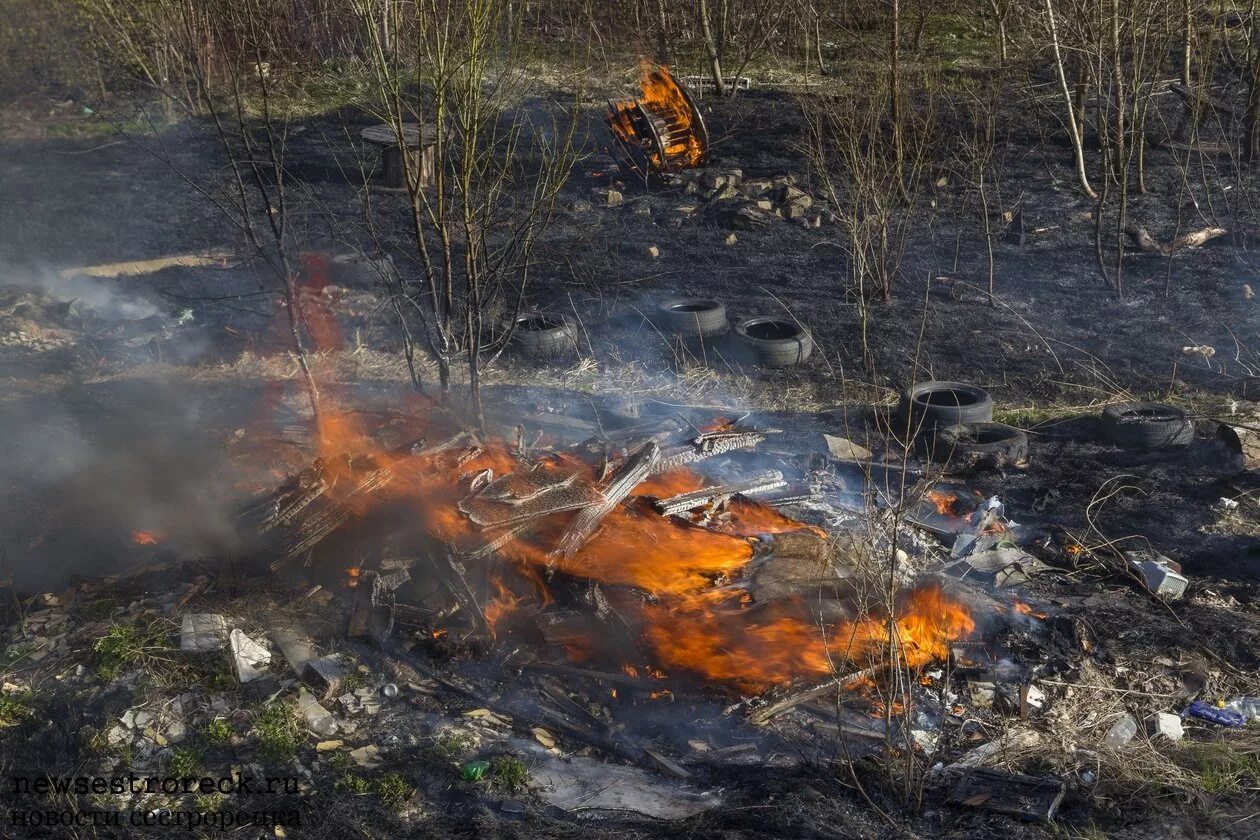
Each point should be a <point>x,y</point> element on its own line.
<point>618,486</point>
<point>706,445</point>
<point>315,528</point>
<point>761,482</point>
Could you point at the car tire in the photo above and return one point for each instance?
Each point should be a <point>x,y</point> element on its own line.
<point>972,444</point>
<point>938,404</point>
<point>775,342</point>
<point>692,317</point>
<point>1147,426</point>
<point>541,336</point>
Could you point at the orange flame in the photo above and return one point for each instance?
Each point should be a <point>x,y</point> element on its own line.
<point>681,144</point>
<point>147,537</point>
<point>946,503</point>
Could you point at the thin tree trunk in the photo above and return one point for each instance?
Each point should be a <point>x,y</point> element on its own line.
<point>1074,130</point>
<point>710,46</point>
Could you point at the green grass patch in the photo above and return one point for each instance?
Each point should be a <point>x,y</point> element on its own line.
<point>185,762</point>
<point>276,732</point>
<point>16,707</point>
<point>508,772</point>
<point>216,733</point>
<point>126,646</point>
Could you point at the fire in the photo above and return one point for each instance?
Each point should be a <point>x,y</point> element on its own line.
<point>946,504</point>
<point>147,537</point>
<point>1027,609</point>
<point>693,615</point>
<point>663,130</point>
<point>769,650</point>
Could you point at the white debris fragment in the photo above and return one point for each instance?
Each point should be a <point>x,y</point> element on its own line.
<point>203,632</point>
<point>248,656</point>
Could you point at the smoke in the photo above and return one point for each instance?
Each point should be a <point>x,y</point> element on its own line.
<point>91,465</point>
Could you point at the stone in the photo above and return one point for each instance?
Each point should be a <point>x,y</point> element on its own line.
<point>248,656</point>
<point>653,251</point>
<point>1165,725</point>
<point>764,204</point>
<point>367,757</point>
<point>724,194</point>
<point>748,217</point>
<point>732,239</point>
<point>325,746</point>
<point>203,633</point>
<point>758,187</point>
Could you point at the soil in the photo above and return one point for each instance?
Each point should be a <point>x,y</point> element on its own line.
<point>1057,345</point>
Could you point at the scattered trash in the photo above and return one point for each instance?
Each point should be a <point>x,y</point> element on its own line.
<point>389,691</point>
<point>474,771</point>
<point>247,656</point>
<point>1160,575</point>
<point>326,673</point>
<point>846,450</point>
<point>1026,797</point>
<point>1248,706</point>
<point>319,719</point>
<point>1121,732</point>
<point>583,784</point>
<point>1206,711</point>
<point>203,633</point>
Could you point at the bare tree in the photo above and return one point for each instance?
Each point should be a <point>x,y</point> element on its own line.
<point>497,176</point>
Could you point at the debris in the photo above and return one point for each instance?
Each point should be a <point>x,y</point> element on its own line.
<point>756,483</point>
<point>1121,732</point>
<point>368,757</point>
<point>731,239</point>
<point>1194,239</point>
<point>389,691</point>
<point>1242,441</point>
<point>319,719</point>
<point>1249,706</point>
<point>1206,711</point>
<point>296,649</point>
<point>543,737</point>
<point>619,485</point>
<point>1026,797</point>
<point>583,784</point>
<point>203,632</point>
<point>1166,725</point>
<point>247,656</point>
<point>325,746</point>
<point>326,673</point>
<point>474,771</point>
<point>846,450</point>
<point>653,251</point>
<point>1158,573</point>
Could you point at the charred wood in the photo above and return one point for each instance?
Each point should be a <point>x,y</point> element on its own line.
<point>629,475</point>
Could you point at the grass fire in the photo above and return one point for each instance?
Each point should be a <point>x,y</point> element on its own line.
<point>655,419</point>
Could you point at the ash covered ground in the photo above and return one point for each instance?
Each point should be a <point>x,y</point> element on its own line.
<point>134,403</point>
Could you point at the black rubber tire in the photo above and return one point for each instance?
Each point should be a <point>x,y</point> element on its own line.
<point>1147,425</point>
<point>692,317</point>
<point>972,443</point>
<point>775,342</point>
<point>935,404</point>
<point>541,336</point>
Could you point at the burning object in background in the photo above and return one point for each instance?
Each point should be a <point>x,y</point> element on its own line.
<point>661,132</point>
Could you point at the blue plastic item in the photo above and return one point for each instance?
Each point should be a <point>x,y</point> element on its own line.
<point>1206,711</point>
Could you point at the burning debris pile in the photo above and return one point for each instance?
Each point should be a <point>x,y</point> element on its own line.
<point>618,539</point>
<point>662,131</point>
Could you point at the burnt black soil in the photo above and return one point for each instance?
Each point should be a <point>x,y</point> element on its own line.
<point>1056,336</point>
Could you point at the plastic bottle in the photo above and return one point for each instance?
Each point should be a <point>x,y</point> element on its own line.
<point>1248,706</point>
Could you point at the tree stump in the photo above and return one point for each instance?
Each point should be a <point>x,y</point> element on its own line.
<point>419,145</point>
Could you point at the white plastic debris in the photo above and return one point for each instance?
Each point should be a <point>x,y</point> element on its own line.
<point>1121,732</point>
<point>248,656</point>
<point>1228,504</point>
<point>1157,573</point>
<point>203,632</point>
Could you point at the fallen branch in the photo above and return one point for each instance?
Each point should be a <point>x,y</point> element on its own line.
<point>619,485</point>
<point>1194,239</point>
<point>765,714</point>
